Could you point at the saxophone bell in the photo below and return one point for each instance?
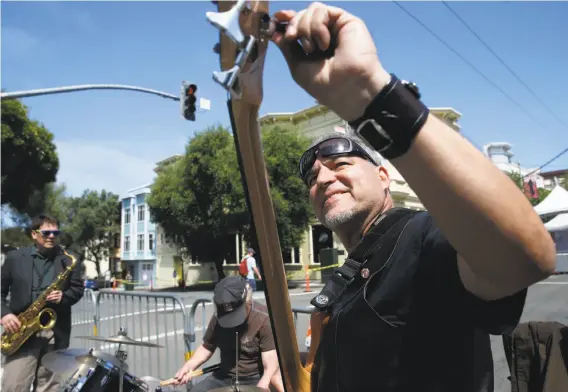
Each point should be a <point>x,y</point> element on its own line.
<point>47,319</point>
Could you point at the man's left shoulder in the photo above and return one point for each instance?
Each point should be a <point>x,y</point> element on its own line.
<point>260,315</point>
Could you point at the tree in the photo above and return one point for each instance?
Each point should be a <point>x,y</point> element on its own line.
<point>16,237</point>
<point>29,158</point>
<point>199,200</point>
<point>518,180</point>
<point>283,147</point>
<point>50,199</point>
<point>94,220</point>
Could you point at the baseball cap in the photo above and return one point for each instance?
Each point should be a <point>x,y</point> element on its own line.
<point>250,250</point>
<point>230,297</point>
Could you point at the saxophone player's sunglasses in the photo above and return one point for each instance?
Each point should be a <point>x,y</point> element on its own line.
<point>47,233</point>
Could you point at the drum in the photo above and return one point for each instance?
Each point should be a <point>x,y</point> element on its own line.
<point>104,376</point>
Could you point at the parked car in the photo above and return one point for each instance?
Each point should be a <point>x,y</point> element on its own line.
<point>97,284</point>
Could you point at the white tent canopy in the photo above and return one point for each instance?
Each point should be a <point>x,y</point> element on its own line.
<point>555,203</point>
<point>560,222</point>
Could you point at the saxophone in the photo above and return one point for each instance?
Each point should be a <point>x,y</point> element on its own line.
<point>34,319</point>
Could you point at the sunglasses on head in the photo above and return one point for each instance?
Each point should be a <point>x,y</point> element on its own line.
<point>329,148</point>
<point>47,233</point>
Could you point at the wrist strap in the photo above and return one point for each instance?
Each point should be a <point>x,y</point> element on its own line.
<point>393,119</point>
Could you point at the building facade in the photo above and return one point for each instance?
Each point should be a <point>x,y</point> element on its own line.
<point>312,122</point>
<point>555,177</point>
<point>501,154</point>
<point>138,236</point>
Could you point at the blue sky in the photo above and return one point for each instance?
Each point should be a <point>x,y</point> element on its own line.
<point>112,139</point>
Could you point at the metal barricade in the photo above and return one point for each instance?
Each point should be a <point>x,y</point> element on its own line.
<point>562,263</point>
<point>304,325</point>
<point>148,317</point>
<point>193,328</point>
<point>83,319</point>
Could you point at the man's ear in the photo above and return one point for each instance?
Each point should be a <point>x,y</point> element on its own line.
<point>384,176</point>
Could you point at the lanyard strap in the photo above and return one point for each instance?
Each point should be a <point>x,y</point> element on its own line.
<point>377,245</point>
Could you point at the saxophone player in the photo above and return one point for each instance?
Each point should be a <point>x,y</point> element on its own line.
<point>26,274</point>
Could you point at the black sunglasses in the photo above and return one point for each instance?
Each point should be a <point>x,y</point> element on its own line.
<point>47,233</point>
<point>338,146</point>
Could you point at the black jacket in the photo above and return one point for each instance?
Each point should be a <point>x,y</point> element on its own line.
<point>17,273</point>
<point>537,355</point>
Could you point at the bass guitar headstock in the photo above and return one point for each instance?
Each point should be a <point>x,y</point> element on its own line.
<point>243,27</point>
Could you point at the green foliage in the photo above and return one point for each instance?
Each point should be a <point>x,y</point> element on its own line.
<point>51,199</point>
<point>29,158</point>
<point>94,220</point>
<point>199,200</point>
<point>16,237</point>
<point>517,179</point>
<point>283,148</point>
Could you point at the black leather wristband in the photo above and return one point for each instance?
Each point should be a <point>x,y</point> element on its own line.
<point>393,119</point>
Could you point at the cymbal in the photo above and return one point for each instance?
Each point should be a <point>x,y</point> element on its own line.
<point>119,339</point>
<point>65,360</point>
<point>242,388</point>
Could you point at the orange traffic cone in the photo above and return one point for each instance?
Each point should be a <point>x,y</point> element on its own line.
<point>308,341</point>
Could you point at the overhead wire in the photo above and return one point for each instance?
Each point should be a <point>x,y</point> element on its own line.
<point>519,79</point>
<point>548,162</point>
<point>479,72</point>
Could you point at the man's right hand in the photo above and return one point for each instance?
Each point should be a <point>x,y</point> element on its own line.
<point>354,71</point>
<point>11,323</point>
<point>183,376</point>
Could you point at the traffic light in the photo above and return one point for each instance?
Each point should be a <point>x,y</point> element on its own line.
<point>188,101</point>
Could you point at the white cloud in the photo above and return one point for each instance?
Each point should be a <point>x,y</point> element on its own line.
<point>86,165</point>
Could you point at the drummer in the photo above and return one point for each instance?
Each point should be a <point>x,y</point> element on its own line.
<point>236,312</point>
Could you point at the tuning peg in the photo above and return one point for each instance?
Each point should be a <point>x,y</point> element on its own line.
<point>228,22</point>
<point>228,79</point>
<point>217,48</point>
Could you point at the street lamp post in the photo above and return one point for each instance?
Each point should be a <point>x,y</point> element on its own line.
<point>82,87</point>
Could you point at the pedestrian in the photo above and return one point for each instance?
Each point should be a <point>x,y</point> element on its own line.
<point>252,268</point>
<point>26,273</point>
<point>236,313</point>
<point>412,307</point>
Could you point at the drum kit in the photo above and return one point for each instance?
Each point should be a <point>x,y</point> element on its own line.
<point>89,370</point>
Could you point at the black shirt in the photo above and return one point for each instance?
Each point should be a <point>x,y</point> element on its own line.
<point>43,273</point>
<point>411,325</point>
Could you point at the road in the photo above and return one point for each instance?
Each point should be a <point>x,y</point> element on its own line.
<point>160,321</point>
